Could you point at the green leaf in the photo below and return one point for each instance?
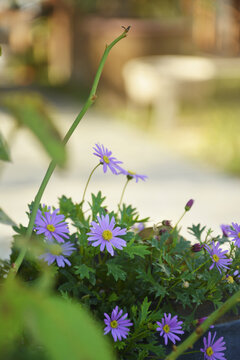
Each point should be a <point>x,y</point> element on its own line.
<point>30,111</point>
<point>113,297</point>
<point>67,331</point>
<point>97,203</point>
<point>63,328</point>
<point>155,348</point>
<point>4,150</point>
<point>136,250</point>
<point>116,271</point>
<point>84,271</point>
<point>144,310</point>
<point>196,230</point>
<point>5,219</point>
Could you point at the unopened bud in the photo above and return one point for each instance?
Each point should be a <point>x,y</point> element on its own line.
<point>185,284</point>
<point>166,222</point>
<point>189,204</point>
<point>196,247</point>
<point>201,320</point>
<point>162,231</point>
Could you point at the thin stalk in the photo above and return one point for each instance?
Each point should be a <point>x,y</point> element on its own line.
<point>52,165</point>
<point>200,330</point>
<point>89,178</point>
<point>178,222</point>
<point>121,198</point>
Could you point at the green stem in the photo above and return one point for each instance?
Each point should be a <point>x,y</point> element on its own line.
<point>84,193</point>
<point>52,166</point>
<point>178,222</point>
<point>159,303</point>
<point>200,330</point>
<point>121,198</point>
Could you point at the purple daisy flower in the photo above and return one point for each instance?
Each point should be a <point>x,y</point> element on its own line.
<point>132,175</point>
<point>169,328</point>
<point>56,252</point>
<point>236,274</point>
<point>234,232</point>
<point>218,257</point>
<point>117,324</point>
<point>211,350</point>
<point>137,227</point>
<point>106,235</point>
<point>225,229</point>
<point>107,160</point>
<point>52,225</point>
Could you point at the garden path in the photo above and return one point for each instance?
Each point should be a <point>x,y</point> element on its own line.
<point>172,181</point>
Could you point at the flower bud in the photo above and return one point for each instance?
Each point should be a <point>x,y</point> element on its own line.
<point>166,222</point>
<point>185,284</point>
<point>201,320</point>
<point>196,247</point>
<point>189,204</point>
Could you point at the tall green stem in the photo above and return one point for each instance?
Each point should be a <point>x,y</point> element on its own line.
<point>121,198</point>
<point>204,326</point>
<point>52,165</point>
<point>89,178</point>
<point>178,222</point>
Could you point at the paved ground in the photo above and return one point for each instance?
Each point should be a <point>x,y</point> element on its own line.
<point>172,181</point>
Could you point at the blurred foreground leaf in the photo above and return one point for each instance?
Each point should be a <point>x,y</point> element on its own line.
<point>4,150</point>
<point>5,219</point>
<point>30,111</point>
<point>63,329</point>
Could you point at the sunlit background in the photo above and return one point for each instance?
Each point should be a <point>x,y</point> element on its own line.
<point>168,102</point>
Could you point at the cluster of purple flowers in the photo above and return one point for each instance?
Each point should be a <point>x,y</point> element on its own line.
<point>55,229</point>
<point>107,235</point>
<point>168,327</point>
<point>111,163</point>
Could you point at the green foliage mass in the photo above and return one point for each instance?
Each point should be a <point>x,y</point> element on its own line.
<point>153,274</point>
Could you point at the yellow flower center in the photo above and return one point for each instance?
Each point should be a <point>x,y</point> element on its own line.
<point>238,235</point>
<point>131,172</point>
<point>114,324</point>
<point>215,258</point>
<point>209,351</point>
<point>107,235</point>
<point>230,279</point>
<point>166,328</point>
<point>55,249</point>
<point>51,227</point>
<point>106,159</point>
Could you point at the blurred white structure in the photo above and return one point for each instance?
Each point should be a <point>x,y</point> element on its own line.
<point>161,81</point>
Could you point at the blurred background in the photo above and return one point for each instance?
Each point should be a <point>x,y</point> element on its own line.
<point>170,91</point>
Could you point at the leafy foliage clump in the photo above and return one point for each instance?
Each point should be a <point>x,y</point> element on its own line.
<point>157,272</point>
